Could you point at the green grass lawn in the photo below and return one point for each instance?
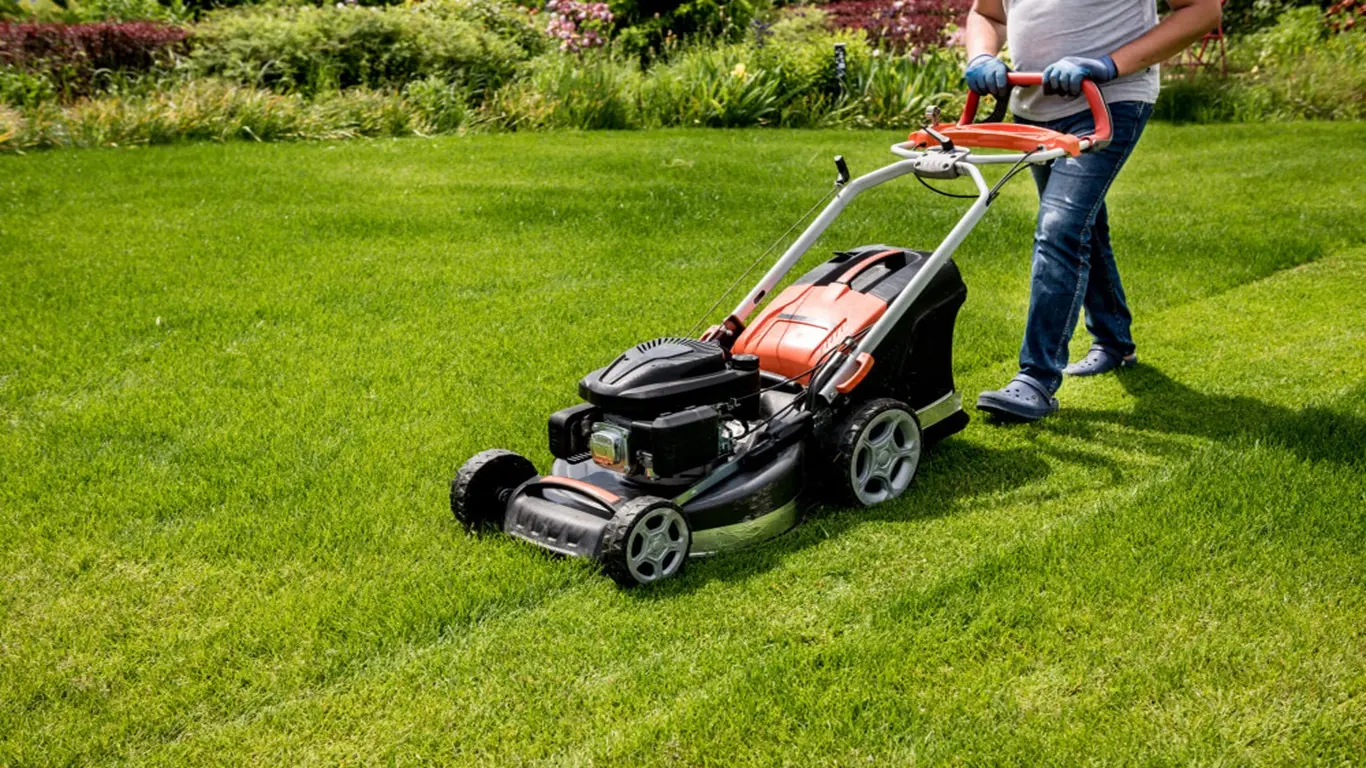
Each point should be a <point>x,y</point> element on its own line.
<point>234,382</point>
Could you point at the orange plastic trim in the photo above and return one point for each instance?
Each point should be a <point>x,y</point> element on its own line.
<point>601,494</point>
<point>1021,138</point>
<point>865,364</point>
<point>796,330</point>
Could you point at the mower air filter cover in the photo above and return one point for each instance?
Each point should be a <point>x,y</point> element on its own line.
<point>664,376</point>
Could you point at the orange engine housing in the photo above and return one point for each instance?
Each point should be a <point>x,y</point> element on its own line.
<point>805,321</point>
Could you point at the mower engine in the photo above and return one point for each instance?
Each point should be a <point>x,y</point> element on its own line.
<point>662,413</point>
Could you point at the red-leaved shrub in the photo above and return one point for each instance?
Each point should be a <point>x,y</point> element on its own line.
<point>70,55</point>
<point>1346,15</point>
<point>901,24</point>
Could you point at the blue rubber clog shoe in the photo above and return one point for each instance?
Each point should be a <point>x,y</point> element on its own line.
<point>1099,360</point>
<point>1023,399</point>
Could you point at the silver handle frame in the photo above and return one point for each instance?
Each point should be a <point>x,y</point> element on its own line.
<point>966,165</point>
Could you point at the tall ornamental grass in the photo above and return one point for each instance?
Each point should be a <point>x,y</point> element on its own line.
<point>556,91</point>
<point>221,111</point>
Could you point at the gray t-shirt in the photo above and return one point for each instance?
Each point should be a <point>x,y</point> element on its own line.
<point>1042,31</point>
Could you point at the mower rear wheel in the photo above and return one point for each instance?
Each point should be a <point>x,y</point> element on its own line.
<point>876,453</point>
<point>480,490</point>
<point>648,541</point>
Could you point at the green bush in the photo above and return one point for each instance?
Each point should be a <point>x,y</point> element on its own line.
<point>713,87</point>
<point>1296,33</point>
<point>476,45</point>
<point>802,24</point>
<point>1294,70</point>
<point>1326,82</point>
<point>557,91</point>
<point>1246,16</point>
<point>893,91</point>
<point>648,28</point>
<point>25,89</point>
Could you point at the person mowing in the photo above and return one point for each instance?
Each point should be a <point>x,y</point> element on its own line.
<point>1118,45</point>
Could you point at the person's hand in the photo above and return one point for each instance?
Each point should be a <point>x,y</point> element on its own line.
<point>986,74</point>
<point>1065,75</point>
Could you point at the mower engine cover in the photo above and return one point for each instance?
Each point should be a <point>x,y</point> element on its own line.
<point>665,376</point>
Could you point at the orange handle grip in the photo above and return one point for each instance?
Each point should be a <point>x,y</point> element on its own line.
<point>1100,113</point>
<point>865,364</point>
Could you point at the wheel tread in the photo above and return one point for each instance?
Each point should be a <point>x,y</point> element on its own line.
<point>477,483</point>
<point>843,441</point>
<point>614,540</point>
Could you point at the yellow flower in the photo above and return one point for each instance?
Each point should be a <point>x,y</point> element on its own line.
<point>739,71</point>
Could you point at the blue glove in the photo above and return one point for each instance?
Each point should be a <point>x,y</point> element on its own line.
<point>987,74</point>
<point>1065,75</point>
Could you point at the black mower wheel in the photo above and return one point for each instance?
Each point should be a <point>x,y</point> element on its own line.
<point>875,453</point>
<point>480,490</point>
<point>647,541</point>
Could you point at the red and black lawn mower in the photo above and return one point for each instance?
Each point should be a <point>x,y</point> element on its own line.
<point>688,447</point>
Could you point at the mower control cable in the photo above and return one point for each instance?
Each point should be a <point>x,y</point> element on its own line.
<point>995,189</point>
<point>838,185</point>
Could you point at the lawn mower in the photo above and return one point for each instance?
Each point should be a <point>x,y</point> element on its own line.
<point>687,447</point>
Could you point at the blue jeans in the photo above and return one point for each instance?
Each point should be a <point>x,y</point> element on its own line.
<point>1074,266</point>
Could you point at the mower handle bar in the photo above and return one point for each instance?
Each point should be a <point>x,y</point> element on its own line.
<point>1100,112</point>
<point>965,161</point>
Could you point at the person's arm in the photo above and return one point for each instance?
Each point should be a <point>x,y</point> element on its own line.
<point>1188,22</point>
<point>985,31</point>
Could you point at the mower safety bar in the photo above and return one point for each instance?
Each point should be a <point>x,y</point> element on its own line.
<point>1100,111</point>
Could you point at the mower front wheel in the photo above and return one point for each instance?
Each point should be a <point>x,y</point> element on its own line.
<point>480,490</point>
<point>875,453</point>
<point>648,541</point>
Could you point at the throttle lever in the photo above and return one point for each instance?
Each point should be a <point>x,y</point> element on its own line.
<point>944,141</point>
<point>842,169</point>
<point>933,116</point>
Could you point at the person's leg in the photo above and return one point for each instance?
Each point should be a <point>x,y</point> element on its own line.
<point>1107,312</point>
<point>1072,193</point>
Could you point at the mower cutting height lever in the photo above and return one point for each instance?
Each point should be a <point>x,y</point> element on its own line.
<point>689,447</point>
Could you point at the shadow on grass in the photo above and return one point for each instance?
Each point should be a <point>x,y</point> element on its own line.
<point>952,473</point>
<point>956,472</point>
<point>1166,406</point>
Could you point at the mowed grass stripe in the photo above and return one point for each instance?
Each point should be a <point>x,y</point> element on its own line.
<point>866,628</point>
<point>241,506</point>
